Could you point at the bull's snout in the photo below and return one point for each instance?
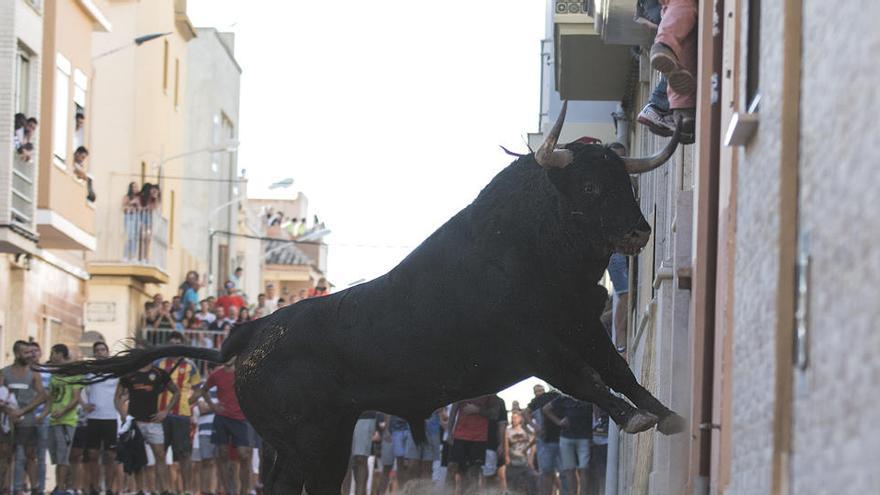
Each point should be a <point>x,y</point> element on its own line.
<point>634,240</point>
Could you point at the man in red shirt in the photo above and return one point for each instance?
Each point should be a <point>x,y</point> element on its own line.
<point>469,424</point>
<point>230,425</point>
<point>230,299</point>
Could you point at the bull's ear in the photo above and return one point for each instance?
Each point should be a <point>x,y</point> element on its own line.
<point>559,177</point>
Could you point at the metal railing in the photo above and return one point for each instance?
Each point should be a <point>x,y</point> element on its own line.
<point>145,237</point>
<point>23,189</point>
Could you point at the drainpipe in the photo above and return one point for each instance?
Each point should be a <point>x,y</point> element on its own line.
<point>621,126</point>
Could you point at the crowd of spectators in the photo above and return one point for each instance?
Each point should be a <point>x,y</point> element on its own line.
<point>174,426</point>
<point>555,445</point>
<point>279,225</point>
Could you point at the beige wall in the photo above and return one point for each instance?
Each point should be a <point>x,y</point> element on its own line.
<point>67,30</point>
<point>136,127</point>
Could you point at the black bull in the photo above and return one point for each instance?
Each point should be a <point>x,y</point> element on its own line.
<point>506,289</point>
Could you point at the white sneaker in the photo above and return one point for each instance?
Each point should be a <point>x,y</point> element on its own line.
<point>658,122</point>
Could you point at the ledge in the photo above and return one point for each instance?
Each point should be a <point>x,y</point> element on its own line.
<point>145,273</point>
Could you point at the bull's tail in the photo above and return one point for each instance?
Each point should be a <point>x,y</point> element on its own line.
<point>132,359</point>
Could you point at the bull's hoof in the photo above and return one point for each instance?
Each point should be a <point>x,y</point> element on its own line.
<point>671,424</point>
<point>641,420</point>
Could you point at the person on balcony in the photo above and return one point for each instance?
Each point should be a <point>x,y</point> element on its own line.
<point>30,130</point>
<point>674,54</point>
<point>18,133</point>
<point>26,152</point>
<point>79,163</point>
<point>150,200</point>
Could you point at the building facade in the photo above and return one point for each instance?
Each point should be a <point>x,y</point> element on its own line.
<point>214,191</point>
<point>48,218</point>
<point>742,316</point>
<point>139,139</point>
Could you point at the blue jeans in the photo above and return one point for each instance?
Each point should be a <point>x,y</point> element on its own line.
<point>21,460</point>
<point>548,457</point>
<point>658,97</point>
<point>618,271</point>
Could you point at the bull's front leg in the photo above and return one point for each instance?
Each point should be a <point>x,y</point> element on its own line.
<point>614,371</point>
<point>565,371</point>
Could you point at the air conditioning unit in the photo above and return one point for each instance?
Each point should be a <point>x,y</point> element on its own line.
<point>568,7</point>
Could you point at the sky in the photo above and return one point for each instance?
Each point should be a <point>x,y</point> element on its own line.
<point>387,115</point>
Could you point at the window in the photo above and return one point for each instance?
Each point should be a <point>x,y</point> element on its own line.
<point>22,84</point>
<point>80,88</point>
<point>143,173</point>
<point>176,82</point>
<point>165,68</point>
<point>753,65</point>
<point>61,115</point>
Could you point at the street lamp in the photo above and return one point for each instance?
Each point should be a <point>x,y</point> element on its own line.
<point>140,40</point>
<point>228,147</point>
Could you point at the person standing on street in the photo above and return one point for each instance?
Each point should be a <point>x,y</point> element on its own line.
<point>64,392</point>
<point>27,387</point>
<point>185,376</point>
<point>230,425</point>
<point>101,425</point>
<point>143,388</point>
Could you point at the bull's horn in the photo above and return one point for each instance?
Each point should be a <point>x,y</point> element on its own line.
<point>642,165</point>
<point>547,155</point>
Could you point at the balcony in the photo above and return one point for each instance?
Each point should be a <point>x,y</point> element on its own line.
<point>586,67</point>
<point>137,248</point>
<point>615,22</point>
<point>20,235</point>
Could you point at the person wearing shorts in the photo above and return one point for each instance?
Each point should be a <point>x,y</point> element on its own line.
<point>361,448</point>
<point>185,375</point>
<point>575,419</point>
<point>420,457</point>
<point>206,451</point>
<point>144,387</point>
<point>469,421</point>
<point>547,444</point>
<point>101,425</point>
<point>230,424</point>
<point>64,396</point>
<point>27,387</point>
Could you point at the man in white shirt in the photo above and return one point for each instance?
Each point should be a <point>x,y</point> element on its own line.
<point>271,298</point>
<point>102,423</point>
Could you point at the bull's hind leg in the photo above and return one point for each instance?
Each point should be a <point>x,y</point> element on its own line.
<point>284,476</point>
<point>617,374</point>
<point>330,442</point>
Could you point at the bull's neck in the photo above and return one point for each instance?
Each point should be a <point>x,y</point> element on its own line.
<point>529,217</point>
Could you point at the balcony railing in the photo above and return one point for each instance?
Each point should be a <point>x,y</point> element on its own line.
<point>23,189</point>
<point>144,237</point>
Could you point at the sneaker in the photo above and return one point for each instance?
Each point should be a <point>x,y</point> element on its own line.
<point>663,59</point>
<point>658,122</point>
